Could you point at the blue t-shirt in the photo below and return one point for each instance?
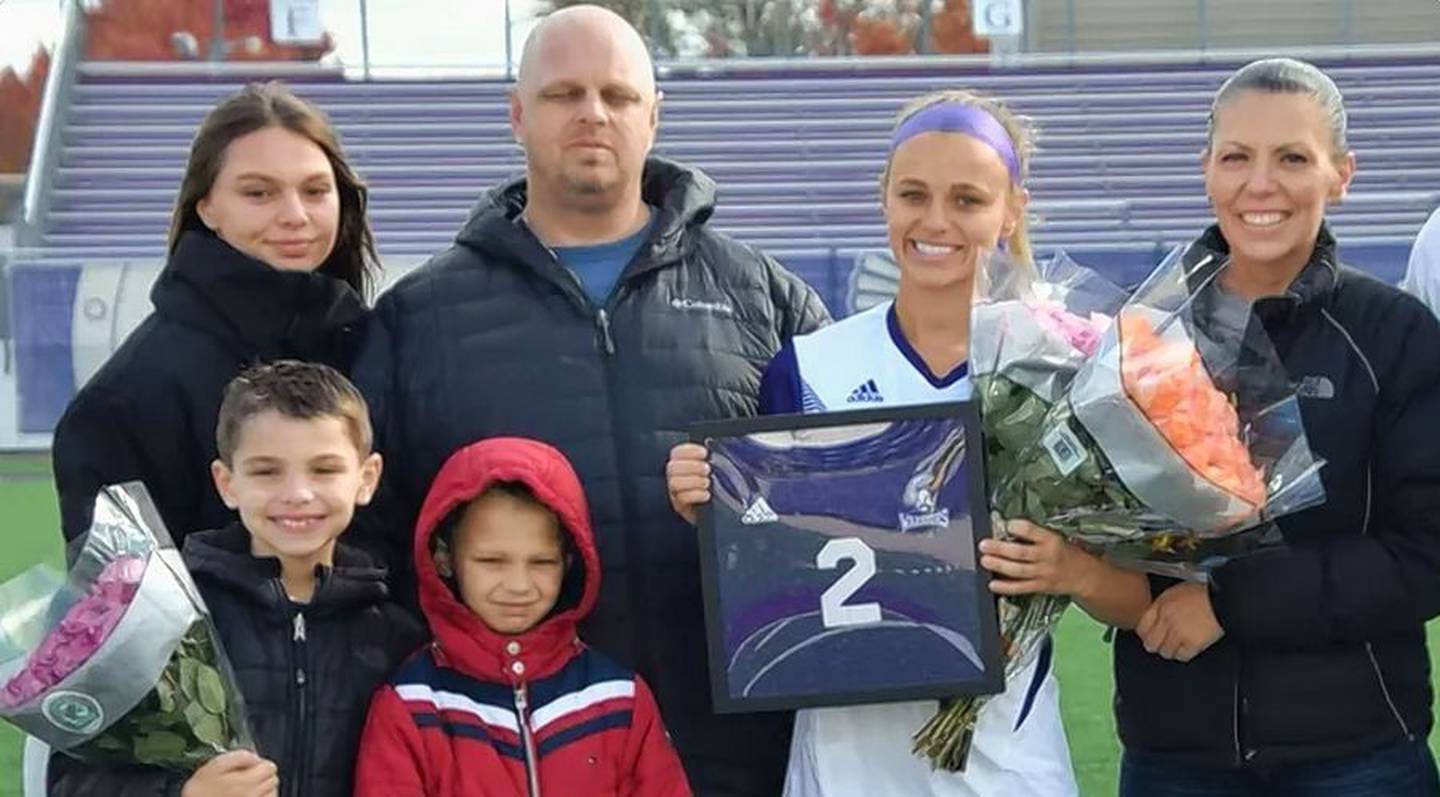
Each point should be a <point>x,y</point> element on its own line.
<point>598,266</point>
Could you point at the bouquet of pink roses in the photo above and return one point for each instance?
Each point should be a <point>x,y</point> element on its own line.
<point>1031,331</point>
<point>1169,447</point>
<point>120,663</point>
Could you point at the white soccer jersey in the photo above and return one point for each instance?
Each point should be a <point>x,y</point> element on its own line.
<point>863,362</point>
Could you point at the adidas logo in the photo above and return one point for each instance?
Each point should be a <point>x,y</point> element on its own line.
<point>759,512</point>
<point>867,392</point>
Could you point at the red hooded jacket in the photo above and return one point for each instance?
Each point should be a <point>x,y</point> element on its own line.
<point>483,713</point>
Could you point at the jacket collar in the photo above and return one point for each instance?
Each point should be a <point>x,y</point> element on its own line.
<point>223,556</point>
<point>460,636</point>
<point>1312,286</point>
<point>683,197</point>
<point>251,307</point>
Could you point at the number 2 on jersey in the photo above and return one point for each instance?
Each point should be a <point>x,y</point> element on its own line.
<point>833,611</point>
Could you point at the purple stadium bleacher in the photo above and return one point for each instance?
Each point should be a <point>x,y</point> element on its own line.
<point>796,155</point>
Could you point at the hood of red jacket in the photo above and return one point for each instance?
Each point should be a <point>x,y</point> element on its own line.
<point>461,639</point>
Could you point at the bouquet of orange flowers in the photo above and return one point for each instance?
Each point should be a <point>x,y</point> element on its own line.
<point>1183,428</point>
<point>1175,444</point>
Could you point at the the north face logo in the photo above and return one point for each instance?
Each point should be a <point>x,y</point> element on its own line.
<point>759,512</point>
<point>867,392</point>
<point>1316,387</point>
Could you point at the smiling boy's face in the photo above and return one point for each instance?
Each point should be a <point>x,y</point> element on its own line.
<point>295,483</point>
<point>508,560</point>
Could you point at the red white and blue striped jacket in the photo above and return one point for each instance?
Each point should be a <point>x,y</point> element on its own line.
<point>483,713</point>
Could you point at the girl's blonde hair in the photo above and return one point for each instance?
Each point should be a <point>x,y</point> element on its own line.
<point>1022,139</point>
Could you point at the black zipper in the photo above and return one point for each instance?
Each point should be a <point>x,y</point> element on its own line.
<point>636,585</point>
<point>601,316</point>
<point>577,294</point>
<point>1240,757</point>
<point>301,721</point>
<point>602,325</point>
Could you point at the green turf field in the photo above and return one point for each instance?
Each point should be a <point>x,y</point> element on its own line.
<point>29,518</point>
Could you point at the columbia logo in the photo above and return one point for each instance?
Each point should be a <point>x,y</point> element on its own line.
<point>867,392</point>
<point>703,306</point>
<point>759,512</point>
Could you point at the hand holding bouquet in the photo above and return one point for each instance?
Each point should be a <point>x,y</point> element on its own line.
<point>1184,425</point>
<point>1030,334</point>
<point>1179,433</point>
<point>122,664</point>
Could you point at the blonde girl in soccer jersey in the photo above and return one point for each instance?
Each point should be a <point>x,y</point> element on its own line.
<point>952,190</point>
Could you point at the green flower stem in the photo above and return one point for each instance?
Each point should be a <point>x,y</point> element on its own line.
<point>1012,419</point>
<point>187,719</point>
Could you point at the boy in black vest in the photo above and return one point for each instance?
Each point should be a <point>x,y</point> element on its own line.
<point>307,622</point>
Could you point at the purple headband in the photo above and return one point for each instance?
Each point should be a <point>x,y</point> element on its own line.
<point>957,117</point>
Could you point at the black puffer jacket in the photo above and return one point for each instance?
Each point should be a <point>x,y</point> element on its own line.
<point>306,671</point>
<point>495,337</point>
<point>149,412</point>
<point>1324,650</point>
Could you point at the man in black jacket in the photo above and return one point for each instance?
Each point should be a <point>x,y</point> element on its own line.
<point>590,306</point>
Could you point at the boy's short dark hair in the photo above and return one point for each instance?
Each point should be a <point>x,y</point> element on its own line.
<point>294,389</point>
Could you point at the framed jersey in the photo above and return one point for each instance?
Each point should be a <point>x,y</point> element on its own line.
<point>838,559</point>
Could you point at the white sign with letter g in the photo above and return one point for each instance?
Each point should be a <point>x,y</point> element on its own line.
<point>998,17</point>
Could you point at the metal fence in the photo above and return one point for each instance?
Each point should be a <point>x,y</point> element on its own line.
<point>398,37</point>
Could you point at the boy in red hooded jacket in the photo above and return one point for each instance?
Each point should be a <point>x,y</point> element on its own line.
<point>507,701</point>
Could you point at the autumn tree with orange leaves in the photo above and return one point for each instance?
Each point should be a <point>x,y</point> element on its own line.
<point>896,28</point>
<point>737,28</point>
<point>20,96</point>
<point>137,30</point>
<point>952,30</point>
<point>142,30</point>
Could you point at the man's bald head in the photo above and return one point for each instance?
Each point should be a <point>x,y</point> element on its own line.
<point>584,29</point>
<point>585,109</point>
